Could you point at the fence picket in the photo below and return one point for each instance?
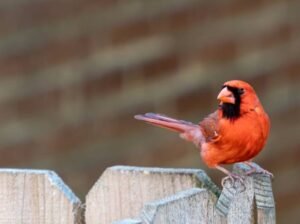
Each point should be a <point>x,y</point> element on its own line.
<point>193,206</point>
<point>137,195</point>
<point>122,191</point>
<point>36,197</point>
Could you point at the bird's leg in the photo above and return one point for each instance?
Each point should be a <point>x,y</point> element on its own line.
<point>230,175</point>
<point>257,169</point>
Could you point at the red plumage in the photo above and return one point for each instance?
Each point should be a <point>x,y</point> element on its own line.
<point>236,132</point>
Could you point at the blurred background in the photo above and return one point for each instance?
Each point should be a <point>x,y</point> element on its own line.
<point>73,74</point>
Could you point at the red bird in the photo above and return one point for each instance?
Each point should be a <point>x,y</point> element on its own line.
<point>236,132</point>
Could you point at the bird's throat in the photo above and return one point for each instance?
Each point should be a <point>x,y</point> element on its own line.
<point>230,111</point>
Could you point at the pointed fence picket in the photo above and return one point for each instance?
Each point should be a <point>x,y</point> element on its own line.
<point>136,195</point>
<point>36,197</point>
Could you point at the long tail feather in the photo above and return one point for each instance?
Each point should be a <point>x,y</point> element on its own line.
<point>165,122</point>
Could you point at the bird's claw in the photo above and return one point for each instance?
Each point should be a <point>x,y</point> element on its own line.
<point>233,178</point>
<point>260,171</point>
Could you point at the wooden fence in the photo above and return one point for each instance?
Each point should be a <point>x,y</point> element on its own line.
<point>135,195</point>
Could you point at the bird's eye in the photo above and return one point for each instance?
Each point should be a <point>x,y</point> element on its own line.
<point>241,91</point>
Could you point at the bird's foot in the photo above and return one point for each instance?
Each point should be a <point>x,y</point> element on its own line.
<point>260,171</point>
<point>257,169</point>
<point>233,178</point>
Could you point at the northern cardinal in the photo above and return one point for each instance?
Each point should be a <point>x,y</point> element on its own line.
<point>236,132</point>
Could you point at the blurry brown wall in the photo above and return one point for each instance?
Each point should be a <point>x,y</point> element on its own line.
<point>73,73</point>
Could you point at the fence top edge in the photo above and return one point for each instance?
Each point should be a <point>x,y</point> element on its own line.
<point>151,170</point>
<point>27,171</point>
<point>128,221</point>
<point>178,196</point>
<point>53,178</point>
<point>200,176</point>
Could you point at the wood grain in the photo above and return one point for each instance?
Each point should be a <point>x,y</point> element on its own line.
<point>137,195</point>
<point>122,191</point>
<point>251,202</point>
<point>264,199</point>
<point>36,197</point>
<point>128,221</point>
<point>193,206</point>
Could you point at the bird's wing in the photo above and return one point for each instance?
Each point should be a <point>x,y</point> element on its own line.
<point>210,127</point>
<point>166,122</point>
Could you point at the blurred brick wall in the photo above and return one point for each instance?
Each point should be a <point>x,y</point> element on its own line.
<point>73,73</point>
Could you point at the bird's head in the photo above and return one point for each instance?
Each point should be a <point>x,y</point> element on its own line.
<point>236,98</point>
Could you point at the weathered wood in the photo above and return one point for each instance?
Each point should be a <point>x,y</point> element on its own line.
<point>149,195</point>
<point>251,202</point>
<point>264,199</point>
<point>237,203</point>
<point>122,191</point>
<point>36,197</point>
<point>193,206</point>
<point>128,221</point>
<point>242,206</point>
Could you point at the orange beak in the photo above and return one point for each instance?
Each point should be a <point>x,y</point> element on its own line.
<point>226,96</point>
